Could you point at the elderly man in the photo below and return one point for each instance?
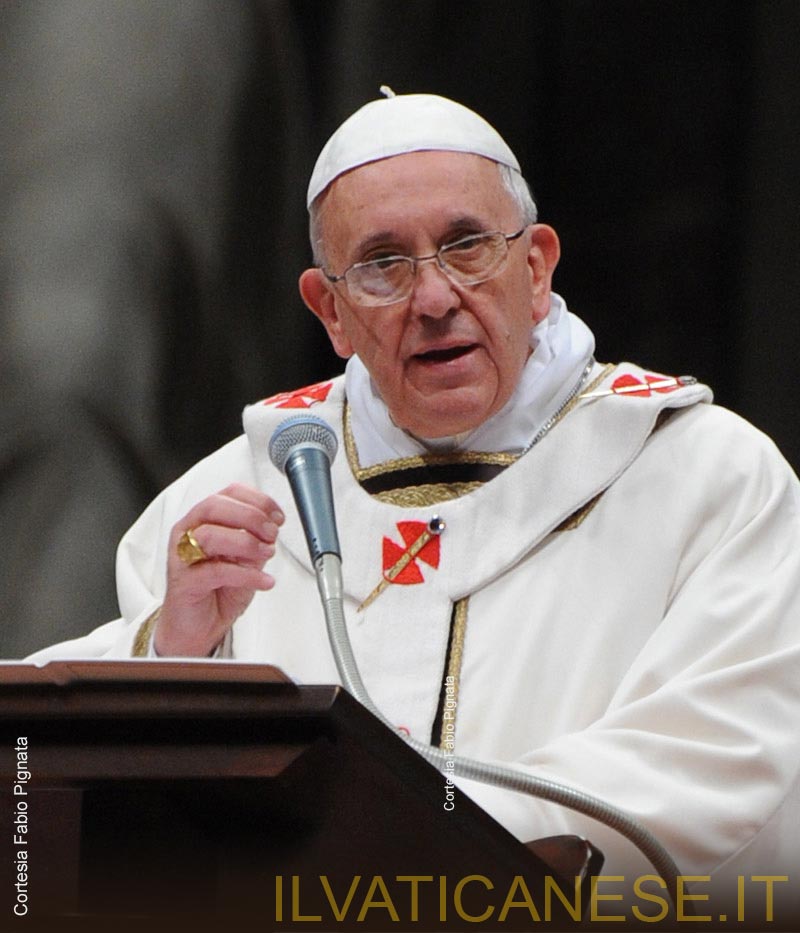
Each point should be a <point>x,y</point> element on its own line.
<point>600,567</point>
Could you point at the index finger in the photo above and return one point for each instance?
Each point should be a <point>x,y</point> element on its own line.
<point>234,507</point>
<point>249,495</point>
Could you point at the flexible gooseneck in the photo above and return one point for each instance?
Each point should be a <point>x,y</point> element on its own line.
<point>303,447</point>
<point>329,582</point>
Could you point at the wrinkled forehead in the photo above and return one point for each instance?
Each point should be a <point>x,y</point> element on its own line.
<point>402,124</point>
<point>412,201</point>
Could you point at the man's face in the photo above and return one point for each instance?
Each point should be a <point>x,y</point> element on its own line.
<point>449,356</point>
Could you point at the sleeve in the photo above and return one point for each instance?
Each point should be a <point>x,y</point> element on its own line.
<point>700,742</point>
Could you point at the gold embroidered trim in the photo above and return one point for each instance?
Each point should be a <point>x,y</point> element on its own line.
<point>141,643</point>
<point>457,638</point>
<point>425,495</point>
<point>349,441</point>
<point>577,517</point>
<point>420,460</point>
<point>606,371</point>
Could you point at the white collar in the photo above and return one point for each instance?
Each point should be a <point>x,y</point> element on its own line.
<point>562,348</point>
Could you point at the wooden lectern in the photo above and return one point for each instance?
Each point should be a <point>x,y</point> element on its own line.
<point>220,796</point>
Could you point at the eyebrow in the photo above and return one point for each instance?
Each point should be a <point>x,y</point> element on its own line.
<point>461,225</point>
<point>381,238</point>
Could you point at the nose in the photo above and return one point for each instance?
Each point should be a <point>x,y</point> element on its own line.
<point>433,294</point>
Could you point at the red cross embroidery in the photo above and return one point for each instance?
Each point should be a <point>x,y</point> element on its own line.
<point>407,556</point>
<point>624,385</point>
<point>301,398</point>
<point>400,565</point>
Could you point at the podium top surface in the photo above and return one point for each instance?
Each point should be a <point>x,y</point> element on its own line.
<point>135,670</point>
<point>159,689</point>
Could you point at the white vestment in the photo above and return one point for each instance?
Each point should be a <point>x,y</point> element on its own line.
<point>633,586</point>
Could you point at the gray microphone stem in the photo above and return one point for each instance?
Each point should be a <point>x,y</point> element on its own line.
<point>328,569</point>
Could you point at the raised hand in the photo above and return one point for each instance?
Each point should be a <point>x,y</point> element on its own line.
<point>214,571</point>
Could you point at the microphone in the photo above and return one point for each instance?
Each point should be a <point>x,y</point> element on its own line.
<point>303,448</point>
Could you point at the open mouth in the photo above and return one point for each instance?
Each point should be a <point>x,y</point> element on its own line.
<point>446,355</point>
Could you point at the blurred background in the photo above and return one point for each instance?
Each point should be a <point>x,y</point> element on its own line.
<point>153,163</point>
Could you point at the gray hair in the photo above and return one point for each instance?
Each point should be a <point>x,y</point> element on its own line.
<point>520,191</point>
<point>315,229</point>
<point>512,181</point>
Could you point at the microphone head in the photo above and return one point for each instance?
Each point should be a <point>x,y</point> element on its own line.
<point>301,430</point>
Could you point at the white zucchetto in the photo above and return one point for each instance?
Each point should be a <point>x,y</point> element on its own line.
<point>397,124</point>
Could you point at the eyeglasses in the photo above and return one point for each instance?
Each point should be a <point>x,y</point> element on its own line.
<point>468,261</point>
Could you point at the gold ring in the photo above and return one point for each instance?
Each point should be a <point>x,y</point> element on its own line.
<point>188,549</point>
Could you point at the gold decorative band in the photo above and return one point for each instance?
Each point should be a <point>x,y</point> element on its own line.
<point>457,638</point>
<point>141,643</point>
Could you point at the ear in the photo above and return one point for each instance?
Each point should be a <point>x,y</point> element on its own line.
<point>543,256</point>
<point>318,295</point>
